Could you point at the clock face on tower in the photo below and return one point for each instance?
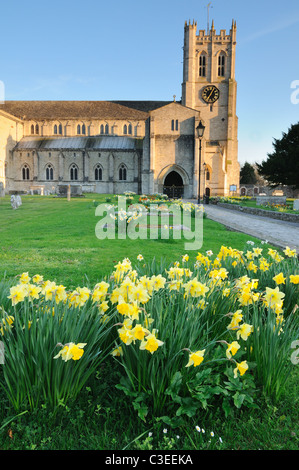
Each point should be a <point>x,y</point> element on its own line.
<point>210,94</point>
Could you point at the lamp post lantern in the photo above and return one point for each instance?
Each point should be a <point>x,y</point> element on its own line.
<point>200,132</point>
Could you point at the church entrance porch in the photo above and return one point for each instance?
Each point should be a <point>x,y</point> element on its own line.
<point>173,185</point>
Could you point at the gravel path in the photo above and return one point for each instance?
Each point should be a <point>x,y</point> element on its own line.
<point>278,232</point>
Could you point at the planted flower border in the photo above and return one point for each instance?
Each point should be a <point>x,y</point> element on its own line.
<point>186,337</point>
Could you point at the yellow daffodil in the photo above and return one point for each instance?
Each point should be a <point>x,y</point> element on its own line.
<point>290,253</point>
<point>196,358</point>
<point>294,278</point>
<point>236,318</point>
<point>242,367</point>
<point>17,294</point>
<point>232,349</point>
<point>71,351</point>
<point>279,279</point>
<point>244,331</point>
<point>151,343</point>
<point>273,296</point>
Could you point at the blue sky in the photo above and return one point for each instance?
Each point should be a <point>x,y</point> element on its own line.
<point>132,50</point>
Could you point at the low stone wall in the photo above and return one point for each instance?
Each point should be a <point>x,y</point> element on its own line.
<point>261,212</point>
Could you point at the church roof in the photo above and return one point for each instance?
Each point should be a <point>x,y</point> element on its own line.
<point>80,143</point>
<point>55,110</point>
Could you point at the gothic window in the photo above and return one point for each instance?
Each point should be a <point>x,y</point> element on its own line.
<point>202,65</point>
<point>122,173</point>
<point>25,172</point>
<point>208,175</point>
<point>83,129</point>
<point>125,129</point>
<point>98,173</point>
<point>102,129</point>
<point>55,129</point>
<point>49,172</point>
<point>74,172</point>
<point>37,129</point>
<point>78,129</point>
<point>174,124</point>
<point>60,129</point>
<point>106,129</point>
<point>32,129</point>
<point>221,64</point>
<point>130,129</point>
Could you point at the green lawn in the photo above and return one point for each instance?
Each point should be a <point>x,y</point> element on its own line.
<point>56,238</point>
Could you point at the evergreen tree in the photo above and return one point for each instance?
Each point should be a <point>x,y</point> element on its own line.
<point>282,165</point>
<point>247,174</point>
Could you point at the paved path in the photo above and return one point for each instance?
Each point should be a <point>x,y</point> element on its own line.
<point>278,232</point>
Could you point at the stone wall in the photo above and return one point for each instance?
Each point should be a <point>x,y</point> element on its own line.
<point>261,212</point>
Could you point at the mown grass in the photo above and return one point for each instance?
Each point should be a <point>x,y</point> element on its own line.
<point>56,238</point>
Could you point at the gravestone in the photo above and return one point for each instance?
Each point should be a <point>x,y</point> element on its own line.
<point>296,205</point>
<point>15,201</point>
<point>76,190</point>
<point>2,192</point>
<point>263,200</point>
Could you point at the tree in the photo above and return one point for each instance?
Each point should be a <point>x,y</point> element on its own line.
<point>282,166</point>
<point>247,174</point>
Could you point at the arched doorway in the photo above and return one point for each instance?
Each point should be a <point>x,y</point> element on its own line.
<point>173,185</point>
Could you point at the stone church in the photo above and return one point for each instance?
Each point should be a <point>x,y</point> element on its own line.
<point>142,146</point>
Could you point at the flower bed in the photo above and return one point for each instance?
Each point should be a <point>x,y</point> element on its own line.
<point>186,336</point>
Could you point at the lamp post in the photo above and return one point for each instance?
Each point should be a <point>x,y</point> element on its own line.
<point>200,132</point>
<point>204,181</point>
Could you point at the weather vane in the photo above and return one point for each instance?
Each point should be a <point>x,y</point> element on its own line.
<point>208,10</point>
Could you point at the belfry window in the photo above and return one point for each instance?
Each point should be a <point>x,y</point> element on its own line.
<point>221,65</point>
<point>25,172</point>
<point>49,173</point>
<point>202,65</point>
<point>98,173</point>
<point>74,172</point>
<point>122,173</point>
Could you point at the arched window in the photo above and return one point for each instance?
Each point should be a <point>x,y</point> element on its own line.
<point>37,129</point>
<point>106,129</point>
<point>32,129</point>
<point>130,129</point>
<point>25,172</point>
<point>83,129</point>
<point>55,129</point>
<point>78,129</point>
<point>60,129</point>
<point>74,172</point>
<point>202,65</point>
<point>208,175</point>
<point>98,173</point>
<point>125,129</point>
<point>102,129</point>
<point>221,64</point>
<point>49,172</point>
<point>122,173</point>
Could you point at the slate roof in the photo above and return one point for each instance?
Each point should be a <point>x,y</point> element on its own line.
<point>80,143</point>
<point>55,110</point>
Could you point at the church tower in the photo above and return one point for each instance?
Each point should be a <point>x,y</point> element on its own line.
<point>209,86</point>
